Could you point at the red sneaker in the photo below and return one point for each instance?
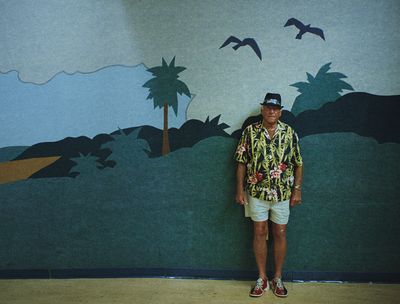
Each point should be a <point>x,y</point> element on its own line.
<point>278,288</point>
<point>259,288</point>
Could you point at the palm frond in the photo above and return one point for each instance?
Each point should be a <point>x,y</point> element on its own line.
<point>337,75</point>
<point>324,69</point>
<point>310,77</point>
<point>164,87</point>
<point>182,88</point>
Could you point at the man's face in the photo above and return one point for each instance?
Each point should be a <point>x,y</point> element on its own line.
<point>271,114</point>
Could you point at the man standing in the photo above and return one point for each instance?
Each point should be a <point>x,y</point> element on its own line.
<point>269,176</point>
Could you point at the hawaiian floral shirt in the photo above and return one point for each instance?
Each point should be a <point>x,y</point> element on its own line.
<point>270,162</point>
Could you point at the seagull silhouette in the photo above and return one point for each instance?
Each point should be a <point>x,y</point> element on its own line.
<point>247,41</point>
<point>304,28</point>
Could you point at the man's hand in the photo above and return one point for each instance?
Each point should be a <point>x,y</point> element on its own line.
<point>295,199</point>
<point>241,198</point>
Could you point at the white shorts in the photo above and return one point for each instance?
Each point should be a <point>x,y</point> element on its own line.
<point>259,210</point>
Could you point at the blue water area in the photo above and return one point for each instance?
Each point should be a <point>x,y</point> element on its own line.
<point>79,104</point>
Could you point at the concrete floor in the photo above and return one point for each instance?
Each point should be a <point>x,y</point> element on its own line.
<point>177,291</point>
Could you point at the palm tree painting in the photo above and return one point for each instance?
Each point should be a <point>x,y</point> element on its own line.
<point>164,89</point>
<point>322,88</point>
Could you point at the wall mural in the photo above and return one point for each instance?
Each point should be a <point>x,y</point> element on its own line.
<point>164,88</point>
<point>239,43</point>
<point>97,172</point>
<point>304,28</point>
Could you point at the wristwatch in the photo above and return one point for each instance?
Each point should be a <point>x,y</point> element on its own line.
<point>297,187</point>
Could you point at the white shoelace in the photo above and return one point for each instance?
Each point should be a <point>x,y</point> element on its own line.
<point>259,283</point>
<point>278,283</point>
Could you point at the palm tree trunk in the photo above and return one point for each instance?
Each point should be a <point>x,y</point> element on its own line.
<point>165,145</point>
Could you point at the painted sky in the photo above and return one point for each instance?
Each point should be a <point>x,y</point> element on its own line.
<point>79,104</point>
<point>42,38</point>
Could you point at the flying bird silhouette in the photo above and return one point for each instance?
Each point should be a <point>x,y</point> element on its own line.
<point>304,28</point>
<point>247,41</point>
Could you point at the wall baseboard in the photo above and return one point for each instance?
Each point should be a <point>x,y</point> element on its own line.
<point>327,276</point>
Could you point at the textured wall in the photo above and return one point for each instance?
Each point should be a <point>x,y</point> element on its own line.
<point>82,180</point>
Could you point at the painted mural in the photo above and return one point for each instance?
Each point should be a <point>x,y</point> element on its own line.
<point>119,152</point>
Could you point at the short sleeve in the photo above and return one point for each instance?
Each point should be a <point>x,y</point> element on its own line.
<point>297,159</point>
<point>242,153</point>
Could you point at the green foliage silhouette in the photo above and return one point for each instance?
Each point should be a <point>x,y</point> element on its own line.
<point>164,89</point>
<point>322,88</point>
<point>85,164</point>
<point>128,149</point>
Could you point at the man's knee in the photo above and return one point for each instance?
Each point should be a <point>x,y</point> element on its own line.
<point>260,229</point>
<point>279,231</point>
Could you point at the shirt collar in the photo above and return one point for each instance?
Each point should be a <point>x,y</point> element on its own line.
<point>279,126</point>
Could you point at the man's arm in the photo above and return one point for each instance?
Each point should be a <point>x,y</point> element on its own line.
<point>240,176</point>
<point>296,191</point>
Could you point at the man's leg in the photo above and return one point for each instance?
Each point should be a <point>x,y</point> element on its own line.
<point>260,247</point>
<point>259,211</point>
<point>279,217</point>
<point>279,235</point>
